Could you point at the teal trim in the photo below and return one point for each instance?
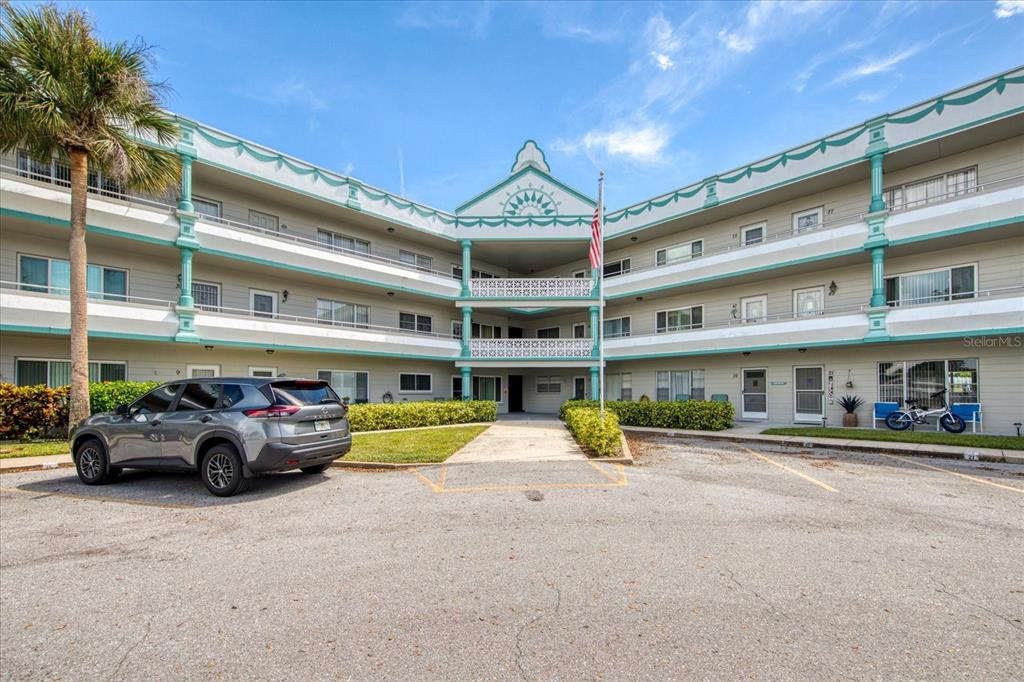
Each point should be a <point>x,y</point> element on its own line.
<point>878,281</point>
<point>524,311</point>
<point>595,385</point>
<point>467,330</point>
<point>543,156</point>
<point>333,351</point>
<point>734,273</point>
<point>952,232</point>
<point>876,321</point>
<point>467,266</point>
<point>60,331</point>
<point>517,175</point>
<point>530,298</point>
<point>60,222</point>
<point>467,382</point>
<point>331,275</point>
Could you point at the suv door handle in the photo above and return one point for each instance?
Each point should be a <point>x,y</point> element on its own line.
<point>155,422</point>
<point>205,418</point>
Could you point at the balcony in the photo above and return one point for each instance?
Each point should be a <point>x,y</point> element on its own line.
<point>500,292</point>
<point>997,311</point>
<point>529,353</point>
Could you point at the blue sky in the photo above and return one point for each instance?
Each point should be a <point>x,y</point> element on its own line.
<point>432,100</point>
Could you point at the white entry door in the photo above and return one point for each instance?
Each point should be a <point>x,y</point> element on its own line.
<point>754,308</point>
<point>579,388</point>
<point>809,394</point>
<point>755,394</point>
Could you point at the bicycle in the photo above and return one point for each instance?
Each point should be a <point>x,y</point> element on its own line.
<point>901,420</point>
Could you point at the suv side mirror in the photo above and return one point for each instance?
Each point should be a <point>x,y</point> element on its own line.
<point>122,409</point>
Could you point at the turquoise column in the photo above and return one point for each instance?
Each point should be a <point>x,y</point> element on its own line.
<point>467,329</point>
<point>467,383</point>
<point>186,242</point>
<point>878,277</point>
<point>594,331</point>
<point>877,196</point>
<point>877,240</point>
<point>595,383</point>
<point>467,265</point>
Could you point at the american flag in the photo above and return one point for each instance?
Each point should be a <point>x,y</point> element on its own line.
<point>595,239</point>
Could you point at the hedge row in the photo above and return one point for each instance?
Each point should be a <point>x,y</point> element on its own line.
<point>38,411</point>
<point>382,416</point>
<point>696,415</point>
<point>603,438</point>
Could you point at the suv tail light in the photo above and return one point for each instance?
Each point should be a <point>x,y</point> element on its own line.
<point>272,411</point>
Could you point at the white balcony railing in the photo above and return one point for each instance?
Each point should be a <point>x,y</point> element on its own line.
<point>551,287</point>
<point>523,349</point>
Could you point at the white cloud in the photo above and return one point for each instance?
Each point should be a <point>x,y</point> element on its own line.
<point>641,144</point>
<point>1008,8</point>
<point>662,61</point>
<point>472,18</point>
<point>292,90</point>
<point>875,65</point>
<point>766,21</point>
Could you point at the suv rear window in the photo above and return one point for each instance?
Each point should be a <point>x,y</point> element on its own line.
<point>303,393</point>
<point>243,397</point>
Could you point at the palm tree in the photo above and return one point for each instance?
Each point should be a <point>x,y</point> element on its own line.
<point>66,94</point>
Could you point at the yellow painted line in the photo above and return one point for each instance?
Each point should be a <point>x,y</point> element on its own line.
<point>439,487</point>
<point>807,478</point>
<point>98,498</point>
<point>954,473</point>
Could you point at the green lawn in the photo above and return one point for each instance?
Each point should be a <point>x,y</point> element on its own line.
<point>419,446</point>
<point>49,447</point>
<point>976,440</point>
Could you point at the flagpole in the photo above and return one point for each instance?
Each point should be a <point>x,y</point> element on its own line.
<point>600,293</point>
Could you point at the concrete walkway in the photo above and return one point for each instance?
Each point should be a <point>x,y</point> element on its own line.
<point>522,438</point>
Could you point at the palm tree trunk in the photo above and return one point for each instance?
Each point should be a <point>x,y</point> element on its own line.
<point>78,408</point>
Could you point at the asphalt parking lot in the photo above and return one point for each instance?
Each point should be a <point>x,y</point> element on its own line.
<point>707,560</point>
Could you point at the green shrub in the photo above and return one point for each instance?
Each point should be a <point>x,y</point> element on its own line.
<point>36,411</point>
<point>107,395</point>
<point>695,415</point>
<point>383,416</point>
<point>603,438</point>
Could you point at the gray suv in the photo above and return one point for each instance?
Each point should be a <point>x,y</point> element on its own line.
<point>229,429</point>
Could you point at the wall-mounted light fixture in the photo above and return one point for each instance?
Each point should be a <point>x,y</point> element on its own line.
<point>639,298</point>
<point>832,288</point>
<point>746,353</point>
<point>801,350</point>
<point>270,351</point>
<point>734,311</point>
<point>284,296</point>
<point>208,347</point>
<point>633,239</point>
<point>391,229</point>
<point>391,293</point>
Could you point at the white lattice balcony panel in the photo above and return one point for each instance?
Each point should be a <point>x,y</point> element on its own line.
<point>523,349</point>
<point>551,287</point>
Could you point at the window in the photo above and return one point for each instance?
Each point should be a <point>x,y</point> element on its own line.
<point>413,322</point>
<point>918,379</point>
<point>681,382</point>
<point>158,400</point>
<point>340,312</point>
<point>56,373</point>
<point>268,372</point>
<point>581,274</point>
<point>206,207</point>
<point>59,173</point>
<point>617,267</point>
<point>474,273</point>
<point>206,295</point>
<point>351,386</point>
<point>679,319</point>
<point>618,386</point>
<point>53,275</point>
<point>198,397</point>
<point>547,333</point>
<point>679,252</point>
<point>264,221</point>
<point>579,330</point>
<point>549,384</point>
<point>487,388</point>
<point>340,242</point>
<point>805,221</point>
<point>807,302</point>
<point>753,234</point>
<point>200,371</point>
<point>754,308</point>
<point>616,327</point>
<point>931,286</point>
<point>417,260</point>
<point>921,192</point>
<point>263,303</point>
<point>243,397</point>
<point>456,329</point>
<point>414,383</point>
<point>485,331</point>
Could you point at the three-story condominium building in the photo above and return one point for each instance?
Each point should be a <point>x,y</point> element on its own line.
<point>885,260</point>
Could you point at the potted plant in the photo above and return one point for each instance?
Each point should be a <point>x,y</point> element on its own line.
<point>850,403</point>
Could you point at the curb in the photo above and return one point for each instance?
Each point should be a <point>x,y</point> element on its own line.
<point>627,455</point>
<point>386,466</point>
<point>909,449</point>
<point>38,467</point>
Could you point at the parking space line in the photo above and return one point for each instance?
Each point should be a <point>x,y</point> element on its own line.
<point>97,498</point>
<point>807,478</point>
<point>954,473</point>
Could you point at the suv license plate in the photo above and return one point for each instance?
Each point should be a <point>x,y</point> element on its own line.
<point>322,425</point>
